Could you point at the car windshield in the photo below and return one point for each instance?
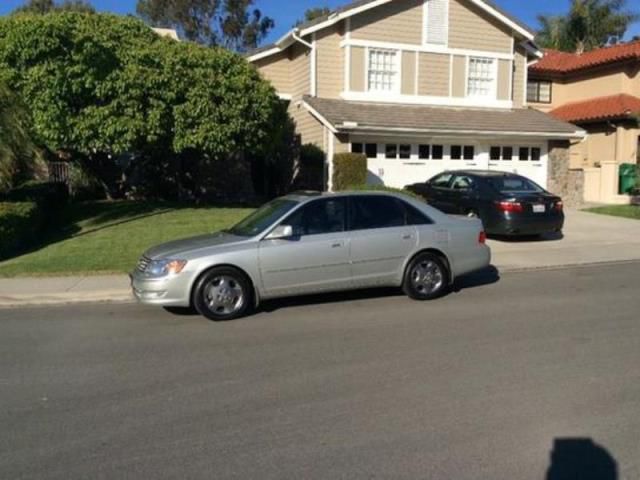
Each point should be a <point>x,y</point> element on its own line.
<point>514,185</point>
<point>262,218</point>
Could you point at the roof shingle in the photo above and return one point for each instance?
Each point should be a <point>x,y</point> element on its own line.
<point>563,62</point>
<point>601,108</point>
<point>346,115</point>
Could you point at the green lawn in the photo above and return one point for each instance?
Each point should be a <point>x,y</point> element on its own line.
<point>627,211</point>
<point>104,237</point>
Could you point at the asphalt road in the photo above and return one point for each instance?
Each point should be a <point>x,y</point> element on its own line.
<point>483,384</point>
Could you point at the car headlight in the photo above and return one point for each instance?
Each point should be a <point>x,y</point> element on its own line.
<point>164,267</point>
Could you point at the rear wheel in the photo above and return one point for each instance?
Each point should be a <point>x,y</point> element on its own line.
<point>223,293</point>
<point>427,277</point>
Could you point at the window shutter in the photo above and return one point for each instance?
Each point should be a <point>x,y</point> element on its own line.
<point>437,21</point>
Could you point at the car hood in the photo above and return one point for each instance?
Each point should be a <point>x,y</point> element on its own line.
<point>185,246</point>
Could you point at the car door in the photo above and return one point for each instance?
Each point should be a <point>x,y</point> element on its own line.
<point>380,239</point>
<point>315,258</point>
<point>463,195</point>
<point>438,193</point>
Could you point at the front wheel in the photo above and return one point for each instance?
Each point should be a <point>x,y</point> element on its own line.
<point>426,277</point>
<point>222,293</point>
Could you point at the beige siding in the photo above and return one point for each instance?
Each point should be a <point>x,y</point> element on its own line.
<point>408,85</point>
<point>398,21</point>
<point>519,72</point>
<point>276,69</point>
<point>433,74</point>
<point>459,77</point>
<point>504,80</point>
<point>358,65</point>
<point>341,144</point>
<point>330,66</point>
<point>472,28</point>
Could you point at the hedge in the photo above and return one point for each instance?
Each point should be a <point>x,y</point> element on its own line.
<point>47,195</point>
<point>20,225</point>
<point>349,169</point>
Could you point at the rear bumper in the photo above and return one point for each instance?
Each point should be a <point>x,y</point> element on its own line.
<point>526,225</point>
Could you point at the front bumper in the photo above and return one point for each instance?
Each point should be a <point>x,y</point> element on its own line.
<point>171,291</point>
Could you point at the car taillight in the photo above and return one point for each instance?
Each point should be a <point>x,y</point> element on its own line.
<point>482,238</point>
<point>510,206</point>
<point>559,205</point>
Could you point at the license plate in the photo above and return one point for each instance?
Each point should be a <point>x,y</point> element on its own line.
<point>539,208</point>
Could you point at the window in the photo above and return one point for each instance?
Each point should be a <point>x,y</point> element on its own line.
<point>469,152</point>
<point>378,211</point>
<point>263,218</point>
<point>462,182</point>
<point>524,153</point>
<point>371,150</point>
<point>391,150</point>
<point>415,216</point>
<point>441,181</point>
<point>535,154</point>
<point>456,152</point>
<point>405,151</point>
<point>482,77</point>
<point>318,217</point>
<point>539,91</point>
<point>357,148</point>
<point>435,23</point>
<point>501,153</point>
<point>382,70</point>
<point>513,183</point>
<point>437,152</point>
<point>424,152</point>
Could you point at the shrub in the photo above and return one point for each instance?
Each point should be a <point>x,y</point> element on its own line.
<point>383,188</point>
<point>310,171</point>
<point>20,224</point>
<point>47,195</point>
<point>349,169</point>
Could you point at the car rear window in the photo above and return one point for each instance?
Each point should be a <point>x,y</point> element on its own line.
<point>514,184</point>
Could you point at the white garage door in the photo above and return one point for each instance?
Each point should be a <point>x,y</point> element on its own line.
<point>398,164</point>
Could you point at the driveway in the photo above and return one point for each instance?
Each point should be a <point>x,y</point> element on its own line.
<point>588,238</point>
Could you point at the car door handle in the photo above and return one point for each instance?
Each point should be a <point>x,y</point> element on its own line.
<point>407,236</point>
<point>337,245</point>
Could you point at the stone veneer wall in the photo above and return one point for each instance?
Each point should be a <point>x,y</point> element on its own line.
<point>562,180</point>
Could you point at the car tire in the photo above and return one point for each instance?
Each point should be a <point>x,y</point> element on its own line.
<point>223,293</point>
<point>426,277</point>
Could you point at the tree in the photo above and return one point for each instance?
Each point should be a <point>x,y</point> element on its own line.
<point>313,13</point>
<point>104,85</point>
<point>47,6</point>
<point>588,25</point>
<point>230,23</point>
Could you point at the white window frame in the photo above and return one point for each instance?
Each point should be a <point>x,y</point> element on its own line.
<point>425,25</point>
<point>493,87</point>
<point>397,72</point>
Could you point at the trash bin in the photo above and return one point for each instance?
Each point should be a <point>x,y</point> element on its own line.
<point>628,177</point>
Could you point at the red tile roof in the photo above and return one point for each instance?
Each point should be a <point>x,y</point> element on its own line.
<point>601,108</point>
<point>563,62</point>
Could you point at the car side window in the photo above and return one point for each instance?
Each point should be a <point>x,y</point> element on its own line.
<point>376,211</point>
<point>414,216</point>
<point>462,182</point>
<point>318,217</point>
<point>441,181</point>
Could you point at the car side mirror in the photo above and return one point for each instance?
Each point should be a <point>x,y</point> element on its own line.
<point>281,232</point>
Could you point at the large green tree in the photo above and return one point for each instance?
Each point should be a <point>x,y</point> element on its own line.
<point>589,24</point>
<point>235,24</point>
<point>313,13</point>
<point>98,86</point>
<point>47,6</point>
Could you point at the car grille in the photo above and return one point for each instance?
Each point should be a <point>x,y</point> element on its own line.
<point>143,263</point>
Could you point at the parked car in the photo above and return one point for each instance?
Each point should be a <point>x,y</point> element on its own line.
<point>309,243</point>
<point>507,204</point>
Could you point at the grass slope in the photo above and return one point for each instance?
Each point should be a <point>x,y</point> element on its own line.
<point>104,237</point>
<point>627,211</point>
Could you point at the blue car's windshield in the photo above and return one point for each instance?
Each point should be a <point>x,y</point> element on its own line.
<point>263,218</point>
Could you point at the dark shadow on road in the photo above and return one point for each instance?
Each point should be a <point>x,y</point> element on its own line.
<point>581,459</point>
<point>487,276</point>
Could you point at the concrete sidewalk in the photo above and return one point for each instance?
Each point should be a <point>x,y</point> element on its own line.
<point>588,239</point>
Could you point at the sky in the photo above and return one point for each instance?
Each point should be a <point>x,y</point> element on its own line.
<point>286,12</point>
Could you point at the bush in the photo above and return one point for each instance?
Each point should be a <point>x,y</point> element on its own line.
<point>47,195</point>
<point>310,171</point>
<point>382,188</point>
<point>20,225</point>
<point>349,169</point>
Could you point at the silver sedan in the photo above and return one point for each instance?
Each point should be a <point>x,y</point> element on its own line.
<point>312,243</point>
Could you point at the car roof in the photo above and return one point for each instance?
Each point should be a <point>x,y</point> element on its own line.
<point>483,173</point>
<point>304,196</point>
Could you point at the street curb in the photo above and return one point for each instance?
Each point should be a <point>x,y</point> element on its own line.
<point>566,266</point>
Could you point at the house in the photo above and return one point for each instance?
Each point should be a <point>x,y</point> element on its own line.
<point>419,86</point>
<point>599,91</point>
